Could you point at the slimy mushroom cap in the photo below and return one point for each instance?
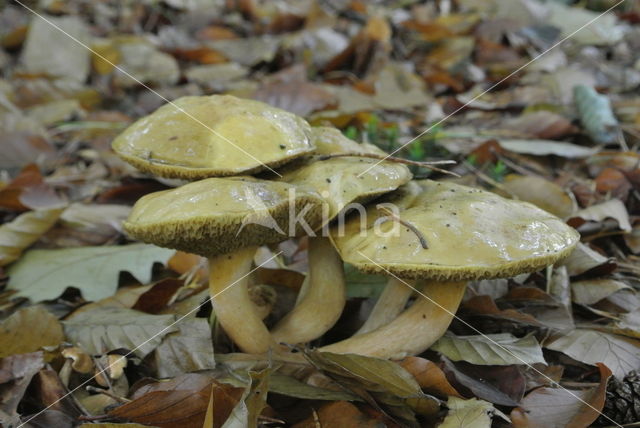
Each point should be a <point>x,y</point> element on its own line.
<point>471,234</point>
<point>220,215</point>
<point>197,137</point>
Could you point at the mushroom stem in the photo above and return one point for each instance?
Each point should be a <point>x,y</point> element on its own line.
<point>391,302</point>
<point>323,300</point>
<point>237,314</point>
<point>413,331</point>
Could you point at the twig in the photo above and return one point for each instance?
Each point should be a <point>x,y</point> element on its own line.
<point>429,165</point>
<point>410,226</point>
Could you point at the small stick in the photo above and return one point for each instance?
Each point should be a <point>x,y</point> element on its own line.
<point>429,165</point>
<point>411,227</point>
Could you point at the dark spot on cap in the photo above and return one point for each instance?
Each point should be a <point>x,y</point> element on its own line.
<point>328,180</point>
<point>175,137</point>
<point>282,146</point>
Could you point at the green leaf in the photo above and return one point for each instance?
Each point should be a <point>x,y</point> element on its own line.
<point>106,329</point>
<point>491,349</point>
<point>45,274</point>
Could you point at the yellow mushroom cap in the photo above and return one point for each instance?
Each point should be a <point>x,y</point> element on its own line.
<point>345,180</point>
<point>220,215</point>
<point>216,135</point>
<point>471,234</point>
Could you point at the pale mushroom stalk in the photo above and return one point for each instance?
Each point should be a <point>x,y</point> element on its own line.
<point>412,331</point>
<point>236,313</point>
<point>389,305</point>
<point>471,234</point>
<point>323,299</point>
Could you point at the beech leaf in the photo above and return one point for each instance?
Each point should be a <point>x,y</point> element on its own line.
<point>28,330</point>
<point>45,274</point>
<point>560,407</point>
<point>23,231</point>
<point>620,354</point>
<point>491,349</point>
<point>187,350</point>
<point>106,329</point>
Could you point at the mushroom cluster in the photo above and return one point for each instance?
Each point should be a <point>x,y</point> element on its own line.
<point>438,235</point>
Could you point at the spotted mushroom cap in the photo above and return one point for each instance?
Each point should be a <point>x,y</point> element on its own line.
<point>197,137</point>
<point>220,215</point>
<point>470,234</point>
<point>344,180</point>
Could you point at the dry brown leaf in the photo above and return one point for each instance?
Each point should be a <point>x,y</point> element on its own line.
<point>159,296</point>
<point>339,414</point>
<point>484,305</point>
<point>16,372</point>
<point>28,191</point>
<point>24,230</point>
<point>541,192</point>
<point>542,124</point>
<point>43,329</point>
<point>562,408</point>
<point>180,402</point>
<point>368,51</point>
<point>429,376</point>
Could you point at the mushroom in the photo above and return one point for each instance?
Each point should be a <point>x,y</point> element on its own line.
<point>226,219</point>
<point>341,182</point>
<point>212,136</point>
<point>470,234</point>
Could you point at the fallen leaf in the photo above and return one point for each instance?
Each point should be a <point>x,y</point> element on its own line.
<point>45,274</point>
<point>50,33</point>
<point>503,385</point>
<point>252,402</point>
<point>158,296</point>
<point>547,147</point>
<point>540,192</point>
<point>43,329</point>
<point>28,190</point>
<point>613,208</point>
<point>339,414</point>
<point>591,291</point>
<point>484,305</point>
<point>490,349</point>
<point>105,329</point>
<point>562,408</point>
<point>23,231</point>
<point>620,354</point>
<point>429,376</point>
<point>16,372</point>
<point>582,26</point>
<point>187,350</point>
<point>383,380</point>
<point>180,402</point>
<point>584,260</point>
<point>291,387</point>
<point>471,413</point>
<point>541,124</point>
